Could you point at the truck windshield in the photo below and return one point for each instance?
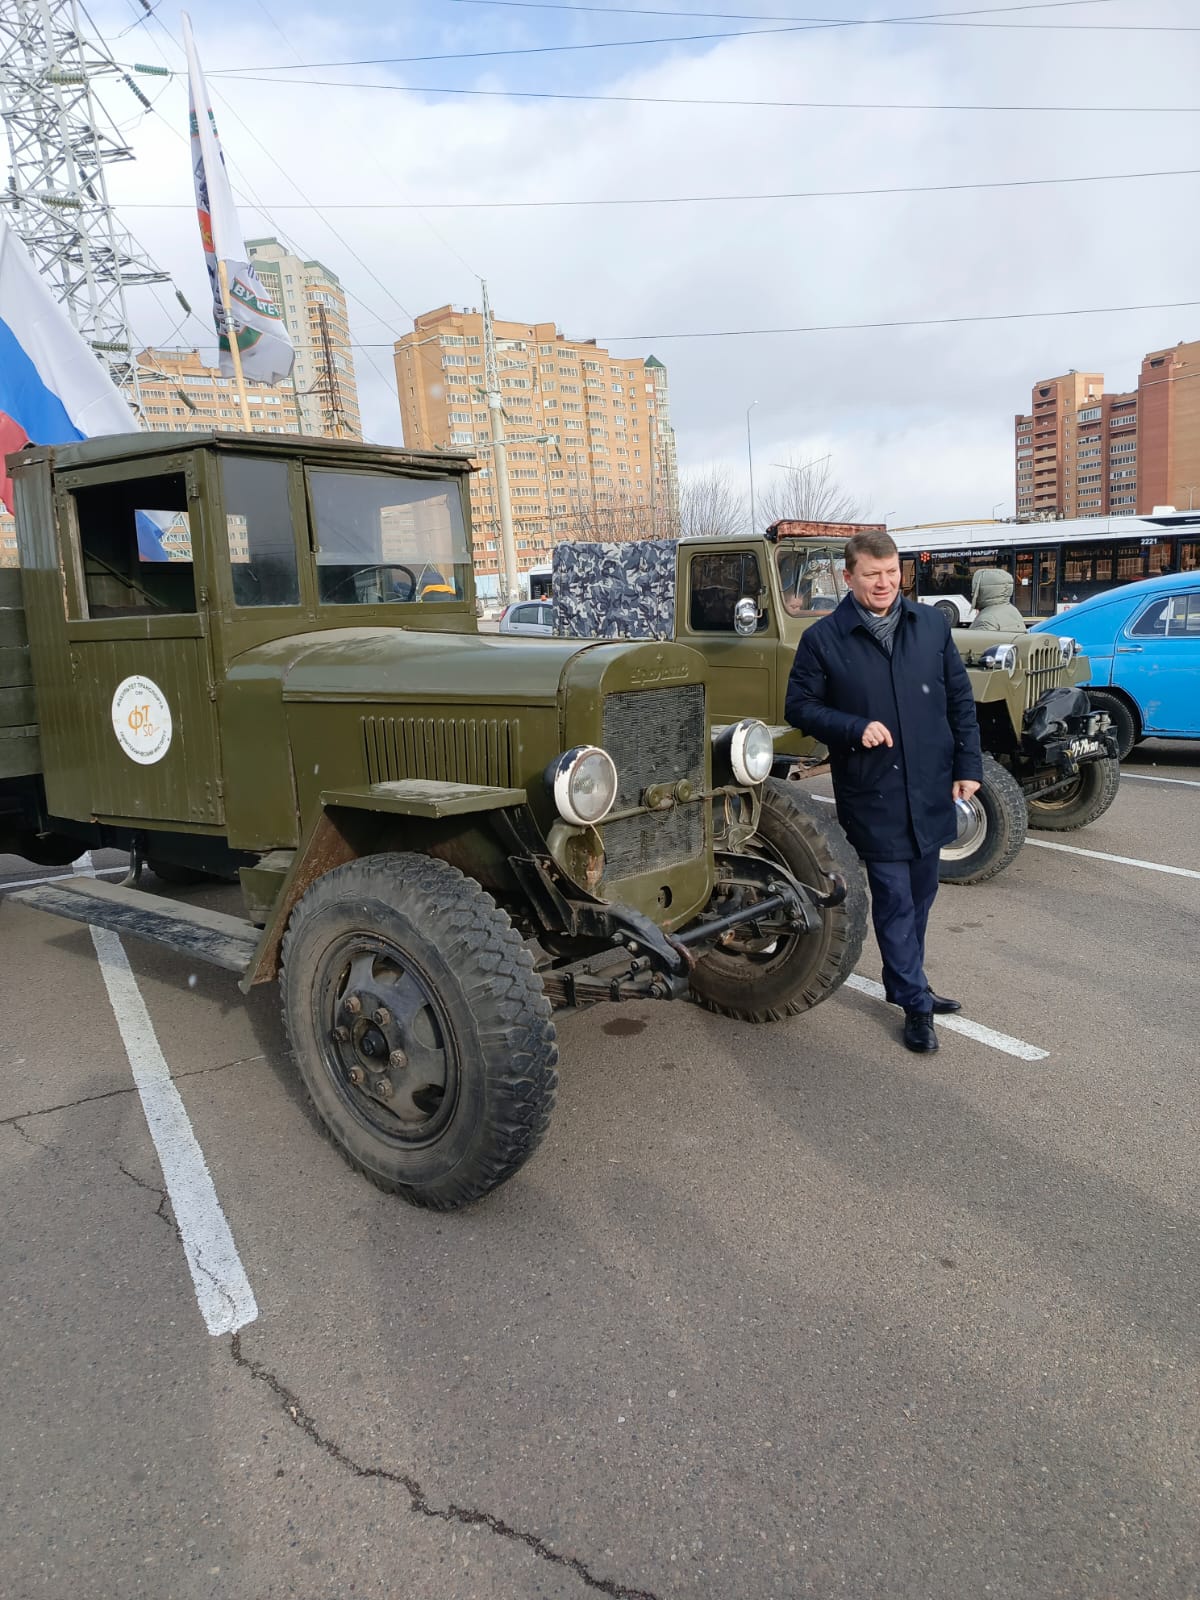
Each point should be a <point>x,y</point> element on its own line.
<point>810,578</point>
<point>387,538</point>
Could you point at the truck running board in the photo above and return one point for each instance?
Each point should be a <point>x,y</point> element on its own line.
<point>209,936</point>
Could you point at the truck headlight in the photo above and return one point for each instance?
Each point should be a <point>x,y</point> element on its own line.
<point>1000,658</point>
<point>584,781</point>
<point>1068,649</point>
<point>751,750</point>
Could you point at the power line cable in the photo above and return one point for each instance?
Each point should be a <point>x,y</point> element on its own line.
<point>947,19</point>
<point>701,199</point>
<point>434,90</point>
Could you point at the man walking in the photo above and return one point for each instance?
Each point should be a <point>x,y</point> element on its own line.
<point>880,682</point>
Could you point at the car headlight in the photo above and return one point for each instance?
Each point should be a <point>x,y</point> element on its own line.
<point>584,781</point>
<point>1068,649</point>
<point>751,751</point>
<point>1000,658</point>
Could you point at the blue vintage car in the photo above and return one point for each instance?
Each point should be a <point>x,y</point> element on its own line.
<point>1143,641</point>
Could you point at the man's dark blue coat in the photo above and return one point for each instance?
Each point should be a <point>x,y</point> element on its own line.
<point>894,804</point>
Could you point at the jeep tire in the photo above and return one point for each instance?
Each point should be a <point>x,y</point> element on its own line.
<point>421,1031</point>
<point>1000,818</point>
<point>764,982</point>
<point>1125,723</point>
<point>1088,797</point>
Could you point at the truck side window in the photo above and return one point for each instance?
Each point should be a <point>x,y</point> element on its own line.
<point>135,539</point>
<point>258,525</point>
<point>718,582</point>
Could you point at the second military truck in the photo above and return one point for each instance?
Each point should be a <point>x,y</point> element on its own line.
<point>1050,759</point>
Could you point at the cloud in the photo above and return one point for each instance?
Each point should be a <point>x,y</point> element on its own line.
<point>918,420</point>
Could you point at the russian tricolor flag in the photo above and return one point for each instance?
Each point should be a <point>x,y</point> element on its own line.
<point>52,388</point>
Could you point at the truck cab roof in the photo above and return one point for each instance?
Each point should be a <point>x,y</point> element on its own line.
<point>115,447</point>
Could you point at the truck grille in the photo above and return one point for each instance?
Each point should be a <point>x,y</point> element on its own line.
<point>454,749</point>
<point>654,736</point>
<point>1043,669</point>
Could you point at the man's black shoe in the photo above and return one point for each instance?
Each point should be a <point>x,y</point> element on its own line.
<point>918,1032</point>
<point>943,1007</point>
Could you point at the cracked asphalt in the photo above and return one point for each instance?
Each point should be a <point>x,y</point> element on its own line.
<point>775,1311</point>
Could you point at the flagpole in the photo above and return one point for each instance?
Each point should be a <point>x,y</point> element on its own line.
<point>231,334</point>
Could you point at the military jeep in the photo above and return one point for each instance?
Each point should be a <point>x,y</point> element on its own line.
<point>1049,758</point>
<point>257,658</point>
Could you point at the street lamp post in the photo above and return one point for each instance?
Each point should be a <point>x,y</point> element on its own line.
<point>996,508</point>
<point>750,462</point>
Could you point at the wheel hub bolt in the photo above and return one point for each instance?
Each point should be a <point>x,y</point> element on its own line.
<point>383,1016</point>
<point>397,1061</point>
<point>342,1035</point>
<point>356,1075</point>
<point>353,1004</point>
<point>383,1086</point>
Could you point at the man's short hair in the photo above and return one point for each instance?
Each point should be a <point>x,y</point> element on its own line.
<point>879,545</point>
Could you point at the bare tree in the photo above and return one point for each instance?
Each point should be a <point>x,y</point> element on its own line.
<point>709,504</point>
<point>616,518</point>
<point>807,492</point>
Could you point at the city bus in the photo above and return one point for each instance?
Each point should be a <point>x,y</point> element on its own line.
<point>541,582</point>
<point>1053,564</point>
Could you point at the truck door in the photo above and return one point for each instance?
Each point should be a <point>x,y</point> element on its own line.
<point>743,665</point>
<point>129,732</point>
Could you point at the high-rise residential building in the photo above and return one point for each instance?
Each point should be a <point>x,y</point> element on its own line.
<point>305,289</point>
<point>180,393</point>
<point>1082,451</point>
<point>591,453</point>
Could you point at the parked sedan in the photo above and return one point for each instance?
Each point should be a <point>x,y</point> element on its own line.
<point>1143,642</point>
<point>528,616</point>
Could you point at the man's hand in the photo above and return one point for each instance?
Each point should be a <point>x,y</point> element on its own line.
<point>964,788</point>
<point>875,734</point>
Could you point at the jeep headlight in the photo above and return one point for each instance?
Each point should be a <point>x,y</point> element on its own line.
<point>584,781</point>
<point>1068,649</point>
<point>1000,658</point>
<point>751,750</point>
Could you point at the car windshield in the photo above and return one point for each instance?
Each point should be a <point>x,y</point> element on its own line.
<point>810,578</point>
<point>386,538</point>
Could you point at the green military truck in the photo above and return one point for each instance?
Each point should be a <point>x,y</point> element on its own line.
<point>438,835</point>
<point>1050,760</point>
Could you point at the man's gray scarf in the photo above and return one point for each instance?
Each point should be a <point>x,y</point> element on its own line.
<point>882,627</point>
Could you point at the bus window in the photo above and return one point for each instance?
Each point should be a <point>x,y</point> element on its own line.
<point>1087,570</point>
<point>1158,558</point>
<point>908,577</point>
<point>1189,555</point>
<point>953,571</point>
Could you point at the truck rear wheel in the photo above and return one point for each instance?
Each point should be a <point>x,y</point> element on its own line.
<point>420,1028</point>
<point>994,832</point>
<point>1088,797</point>
<point>763,979</point>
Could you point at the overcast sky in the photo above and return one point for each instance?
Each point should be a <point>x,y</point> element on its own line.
<point>918,420</point>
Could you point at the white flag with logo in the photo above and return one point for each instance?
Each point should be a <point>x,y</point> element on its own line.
<point>258,325</point>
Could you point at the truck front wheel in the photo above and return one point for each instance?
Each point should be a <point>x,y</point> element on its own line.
<point>1086,798</point>
<point>992,829</point>
<point>419,1026</point>
<point>763,977</point>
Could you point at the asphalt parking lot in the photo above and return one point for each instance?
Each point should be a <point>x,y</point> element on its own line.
<point>778,1311</point>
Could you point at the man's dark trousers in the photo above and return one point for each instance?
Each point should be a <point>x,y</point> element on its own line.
<point>902,893</point>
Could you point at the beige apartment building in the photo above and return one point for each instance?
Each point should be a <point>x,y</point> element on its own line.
<point>180,393</point>
<point>304,289</point>
<point>591,451</point>
<point>1082,451</point>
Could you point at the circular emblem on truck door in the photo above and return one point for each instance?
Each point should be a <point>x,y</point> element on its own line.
<point>141,720</point>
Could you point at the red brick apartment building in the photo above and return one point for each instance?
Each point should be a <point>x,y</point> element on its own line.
<point>1081,451</point>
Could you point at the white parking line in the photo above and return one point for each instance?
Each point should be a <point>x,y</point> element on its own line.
<point>1145,777</point>
<point>29,883</point>
<point>223,1291</point>
<point>957,1024</point>
<point>1120,861</point>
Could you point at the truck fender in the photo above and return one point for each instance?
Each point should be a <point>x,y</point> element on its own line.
<point>333,838</point>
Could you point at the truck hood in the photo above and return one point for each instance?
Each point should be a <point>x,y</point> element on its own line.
<point>394,664</point>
